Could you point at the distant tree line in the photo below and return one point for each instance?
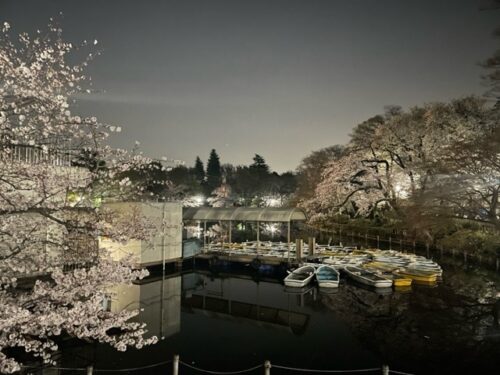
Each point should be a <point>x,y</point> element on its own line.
<point>218,185</point>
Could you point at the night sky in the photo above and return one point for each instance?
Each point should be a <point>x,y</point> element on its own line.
<point>278,78</point>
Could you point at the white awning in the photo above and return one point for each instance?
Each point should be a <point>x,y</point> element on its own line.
<point>268,214</point>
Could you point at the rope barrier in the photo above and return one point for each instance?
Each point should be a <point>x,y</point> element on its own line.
<point>326,371</point>
<point>227,372</point>
<point>220,372</point>
<point>136,368</point>
<point>106,370</point>
<point>54,368</point>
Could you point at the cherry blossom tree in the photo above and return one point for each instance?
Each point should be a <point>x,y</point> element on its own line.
<point>221,196</point>
<point>439,160</point>
<point>56,169</point>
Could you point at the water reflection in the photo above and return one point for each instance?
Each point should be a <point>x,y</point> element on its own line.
<point>230,321</point>
<point>240,299</point>
<point>159,302</point>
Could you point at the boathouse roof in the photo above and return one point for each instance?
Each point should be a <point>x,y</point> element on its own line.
<point>267,214</point>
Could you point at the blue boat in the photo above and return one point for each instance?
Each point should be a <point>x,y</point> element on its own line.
<point>327,277</point>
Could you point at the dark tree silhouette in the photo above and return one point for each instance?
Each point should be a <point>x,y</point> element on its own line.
<point>214,173</point>
<point>199,170</point>
<point>259,165</point>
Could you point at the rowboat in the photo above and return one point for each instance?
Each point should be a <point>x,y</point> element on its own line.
<point>327,277</point>
<point>427,266</point>
<point>401,281</point>
<point>418,276</point>
<point>300,277</point>
<point>389,273</point>
<point>367,277</point>
<point>384,267</point>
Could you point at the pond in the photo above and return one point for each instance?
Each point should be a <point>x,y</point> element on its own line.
<point>228,319</point>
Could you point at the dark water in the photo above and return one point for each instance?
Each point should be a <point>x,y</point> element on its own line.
<point>232,320</point>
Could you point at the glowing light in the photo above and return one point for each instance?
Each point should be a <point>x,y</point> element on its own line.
<point>400,191</point>
<point>271,228</point>
<point>272,201</point>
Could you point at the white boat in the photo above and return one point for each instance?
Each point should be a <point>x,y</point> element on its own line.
<point>327,277</point>
<point>300,277</point>
<point>426,266</point>
<point>367,277</point>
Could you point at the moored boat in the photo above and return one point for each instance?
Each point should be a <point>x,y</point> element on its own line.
<point>300,277</point>
<point>384,267</point>
<point>428,266</point>
<point>367,277</point>
<point>401,281</point>
<point>327,277</point>
<point>418,276</point>
<point>397,279</point>
<point>389,273</point>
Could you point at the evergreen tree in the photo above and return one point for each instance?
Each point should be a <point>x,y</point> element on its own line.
<point>214,174</point>
<point>259,165</point>
<point>199,170</point>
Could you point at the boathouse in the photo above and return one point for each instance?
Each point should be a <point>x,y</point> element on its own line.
<point>204,215</point>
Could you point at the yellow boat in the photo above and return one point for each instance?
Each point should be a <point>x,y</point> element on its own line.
<point>397,280</point>
<point>418,277</point>
<point>401,281</point>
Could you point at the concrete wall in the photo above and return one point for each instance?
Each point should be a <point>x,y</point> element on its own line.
<point>165,243</point>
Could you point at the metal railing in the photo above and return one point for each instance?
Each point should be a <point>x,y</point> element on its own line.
<point>37,155</point>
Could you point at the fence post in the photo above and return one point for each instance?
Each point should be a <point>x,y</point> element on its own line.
<point>385,370</point>
<point>267,368</point>
<point>175,365</point>
<point>390,243</point>
<point>378,241</point>
<point>90,370</point>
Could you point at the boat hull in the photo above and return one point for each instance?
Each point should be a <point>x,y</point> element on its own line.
<point>328,284</point>
<point>298,284</point>
<point>431,278</point>
<point>327,277</point>
<point>300,277</point>
<point>364,278</point>
<point>402,282</point>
